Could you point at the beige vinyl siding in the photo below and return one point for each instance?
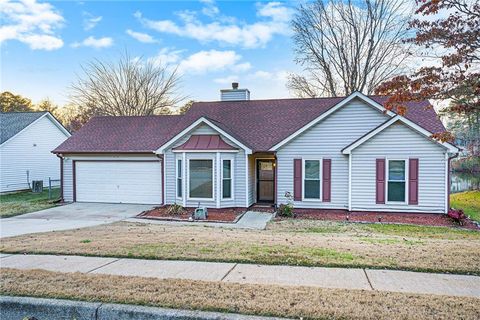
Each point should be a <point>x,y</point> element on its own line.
<point>399,142</point>
<point>238,169</point>
<point>30,150</point>
<point>326,140</point>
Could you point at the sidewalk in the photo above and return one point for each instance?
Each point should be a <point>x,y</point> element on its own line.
<point>341,278</point>
<point>250,220</point>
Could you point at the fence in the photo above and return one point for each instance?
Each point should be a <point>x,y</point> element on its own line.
<point>53,183</point>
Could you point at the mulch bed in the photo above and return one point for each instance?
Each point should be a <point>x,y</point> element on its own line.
<point>427,219</point>
<point>230,215</point>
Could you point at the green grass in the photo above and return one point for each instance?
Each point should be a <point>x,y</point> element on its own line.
<point>366,229</point>
<point>468,201</point>
<point>17,203</point>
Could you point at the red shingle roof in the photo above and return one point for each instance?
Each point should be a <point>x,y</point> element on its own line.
<point>205,142</point>
<point>259,124</point>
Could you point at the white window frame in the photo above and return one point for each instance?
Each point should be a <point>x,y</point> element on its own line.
<point>231,179</point>
<point>387,180</point>
<point>213,178</point>
<point>320,175</point>
<point>177,160</point>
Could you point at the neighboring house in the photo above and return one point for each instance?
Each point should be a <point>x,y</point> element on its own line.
<point>26,142</point>
<point>332,153</point>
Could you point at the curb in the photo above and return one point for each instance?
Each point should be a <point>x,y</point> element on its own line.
<point>20,308</point>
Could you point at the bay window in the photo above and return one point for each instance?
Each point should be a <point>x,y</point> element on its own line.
<point>311,179</point>
<point>201,179</point>
<point>396,181</point>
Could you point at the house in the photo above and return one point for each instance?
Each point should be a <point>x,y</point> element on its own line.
<point>26,141</point>
<point>331,153</point>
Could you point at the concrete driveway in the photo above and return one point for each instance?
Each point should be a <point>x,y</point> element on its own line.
<point>70,216</point>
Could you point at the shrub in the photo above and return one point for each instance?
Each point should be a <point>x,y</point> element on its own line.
<point>457,215</point>
<point>285,210</point>
<point>175,209</point>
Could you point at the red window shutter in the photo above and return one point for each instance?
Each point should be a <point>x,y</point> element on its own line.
<point>380,189</point>
<point>326,179</point>
<point>297,179</point>
<point>413,181</point>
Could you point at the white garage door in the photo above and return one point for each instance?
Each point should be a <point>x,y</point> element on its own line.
<point>119,181</point>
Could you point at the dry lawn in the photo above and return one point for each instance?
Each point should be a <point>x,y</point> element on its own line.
<point>295,302</point>
<point>291,242</point>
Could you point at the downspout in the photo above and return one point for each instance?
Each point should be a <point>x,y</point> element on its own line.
<point>449,182</point>
<point>61,177</point>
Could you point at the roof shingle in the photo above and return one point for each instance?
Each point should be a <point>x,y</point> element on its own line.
<point>260,124</point>
<point>12,123</point>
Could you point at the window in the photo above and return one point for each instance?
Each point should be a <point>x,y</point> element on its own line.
<point>179,178</point>
<point>311,183</point>
<point>227,179</point>
<point>201,179</point>
<point>396,181</point>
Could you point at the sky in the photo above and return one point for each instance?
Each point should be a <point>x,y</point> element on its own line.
<point>44,43</point>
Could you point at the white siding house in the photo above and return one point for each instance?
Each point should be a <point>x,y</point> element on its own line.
<point>25,152</point>
<point>346,154</point>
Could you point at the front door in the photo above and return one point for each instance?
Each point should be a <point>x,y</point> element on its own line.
<point>265,180</point>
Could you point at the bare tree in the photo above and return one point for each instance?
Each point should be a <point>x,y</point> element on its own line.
<point>129,87</point>
<point>347,45</point>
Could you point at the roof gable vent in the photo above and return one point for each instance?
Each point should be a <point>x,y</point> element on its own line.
<point>234,94</point>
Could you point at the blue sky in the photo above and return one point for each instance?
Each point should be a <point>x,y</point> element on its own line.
<point>44,43</point>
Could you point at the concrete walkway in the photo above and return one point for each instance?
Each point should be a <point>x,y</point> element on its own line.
<point>341,278</point>
<point>70,216</point>
<point>250,220</point>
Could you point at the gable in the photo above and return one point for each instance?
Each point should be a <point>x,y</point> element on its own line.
<point>399,138</point>
<point>401,121</point>
<point>201,127</point>
<point>15,124</point>
<point>343,126</point>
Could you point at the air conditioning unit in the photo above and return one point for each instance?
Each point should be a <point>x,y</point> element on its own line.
<point>37,186</point>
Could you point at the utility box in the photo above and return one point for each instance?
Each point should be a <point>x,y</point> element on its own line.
<point>200,213</point>
<point>37,186</point>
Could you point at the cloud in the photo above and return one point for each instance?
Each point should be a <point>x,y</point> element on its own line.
<point>90,21</point>
<point>274,19</point>
<point>226,80</point>
<point>202,61</point>
<point>167,56</point>
<point>32,23</point>
<point>142,37</point>
<point>93,42</point>
<point>210,9</point>
<point>213,60</point>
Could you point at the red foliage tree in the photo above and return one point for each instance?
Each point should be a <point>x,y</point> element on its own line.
<point>455,38</point>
